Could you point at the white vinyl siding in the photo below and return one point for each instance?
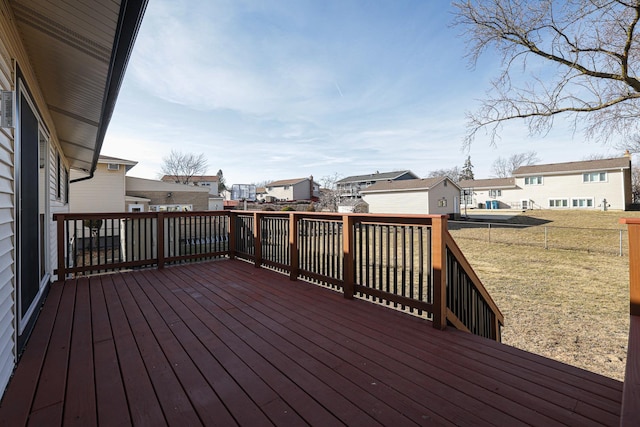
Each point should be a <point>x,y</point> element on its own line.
<point>56,204</point>
<point>110,184</point>
<point>7,294</point>
<point>572,186</point>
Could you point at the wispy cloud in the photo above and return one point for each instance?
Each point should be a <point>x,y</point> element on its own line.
<point>300,87</point>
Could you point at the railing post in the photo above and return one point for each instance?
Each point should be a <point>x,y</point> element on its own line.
<point>630,411</point>
<point>257,239</point>
<point>439,263</point>
<point>293,246</point>
<point>59,218</point>
<point>160,236</point>
<point>231,238</point>
<point>348,271</point>
<point>634,268</point>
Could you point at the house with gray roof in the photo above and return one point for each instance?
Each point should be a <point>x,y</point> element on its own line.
<point>350,187</point>
<point>588,184</point>
<point>293,189</point>
<point>438,196</point>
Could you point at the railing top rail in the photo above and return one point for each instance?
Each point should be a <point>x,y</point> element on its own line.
<point>403,219</point>
<point>120,215</point>
<point>453,247</point>
<point>630,221</point>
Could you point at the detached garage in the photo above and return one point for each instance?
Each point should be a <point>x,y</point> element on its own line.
<point>435,196</point>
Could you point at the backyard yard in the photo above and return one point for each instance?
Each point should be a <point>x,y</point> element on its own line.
<point>570,305</point>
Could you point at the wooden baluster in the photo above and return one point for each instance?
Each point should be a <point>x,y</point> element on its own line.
<point>257,239</point>
<point>293,246</point>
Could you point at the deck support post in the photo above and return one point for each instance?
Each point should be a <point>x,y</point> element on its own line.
<point>439,262</point>
<point>293,246</point>
<point>348,270</point>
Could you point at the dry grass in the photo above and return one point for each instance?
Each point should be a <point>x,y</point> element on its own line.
<point>571,306</point>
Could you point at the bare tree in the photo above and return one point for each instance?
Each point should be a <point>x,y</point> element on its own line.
<point>182,167</point>
<point>329,195</point>
<point>590,55</point>
<point>453,173</point>
<point>503,167</point>
<point>635,184</point>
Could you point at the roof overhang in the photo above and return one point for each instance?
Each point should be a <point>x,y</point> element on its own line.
<point>79,51</point>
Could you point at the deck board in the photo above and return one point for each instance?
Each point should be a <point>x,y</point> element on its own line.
<point>224,343</point>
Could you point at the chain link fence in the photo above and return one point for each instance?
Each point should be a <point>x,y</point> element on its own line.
<point>600,240</point>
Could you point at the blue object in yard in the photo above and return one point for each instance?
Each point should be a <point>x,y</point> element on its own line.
<point>488,204</point>
<point>495,204</point>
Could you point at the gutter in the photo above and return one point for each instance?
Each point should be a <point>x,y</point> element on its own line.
<point>129,21</point>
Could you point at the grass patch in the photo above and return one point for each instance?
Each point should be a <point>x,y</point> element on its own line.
<point>572,306</point>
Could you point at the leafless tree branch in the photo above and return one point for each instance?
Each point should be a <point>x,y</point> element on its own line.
<point>590,56</point>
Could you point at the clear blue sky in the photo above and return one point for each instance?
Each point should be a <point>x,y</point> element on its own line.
<point>283,89</point>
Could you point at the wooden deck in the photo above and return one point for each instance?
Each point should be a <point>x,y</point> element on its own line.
<point>223,343</point>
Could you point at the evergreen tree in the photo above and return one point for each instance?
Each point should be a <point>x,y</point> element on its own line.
<point>467,170</point>
<point>222,185</point>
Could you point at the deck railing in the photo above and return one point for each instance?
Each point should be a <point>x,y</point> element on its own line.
<point>630,414</point>
<point>409,262</point>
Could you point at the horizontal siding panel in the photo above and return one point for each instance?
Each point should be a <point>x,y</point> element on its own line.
<point>6,171</point>
<point>6,262</point>
<point>6,186</point>
<point>7,358</point>
<point>6,155</point>
<point>6,202</point>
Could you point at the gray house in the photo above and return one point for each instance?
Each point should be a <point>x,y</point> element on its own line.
<point>350,187</point>
<point>439,196</point>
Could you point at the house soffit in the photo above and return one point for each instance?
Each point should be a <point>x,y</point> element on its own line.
<point>78,51</point>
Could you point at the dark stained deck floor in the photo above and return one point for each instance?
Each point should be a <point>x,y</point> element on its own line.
<point>223,343</point>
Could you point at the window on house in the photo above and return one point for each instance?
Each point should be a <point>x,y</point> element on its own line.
<point>582,203</point>
<point>558,203</point>
<point>286,187</point>
<point>113,166</point>
<point>442,203</point>
<point>594,177</point>
<point>495,193</point>
<point>532,180</point>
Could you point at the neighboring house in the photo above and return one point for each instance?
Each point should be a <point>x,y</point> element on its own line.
<point>108,181</point>
<point>353,206</point>
<point>120,193</point>
<point>62,78</point>
<point>576,185</point>
<point>208,181</point>
<point>350,187</point>
<point>169,196</point>
<point>261,194</point>
<point>293,189</point>
<point>414,196</point>
<point>489,193</point>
